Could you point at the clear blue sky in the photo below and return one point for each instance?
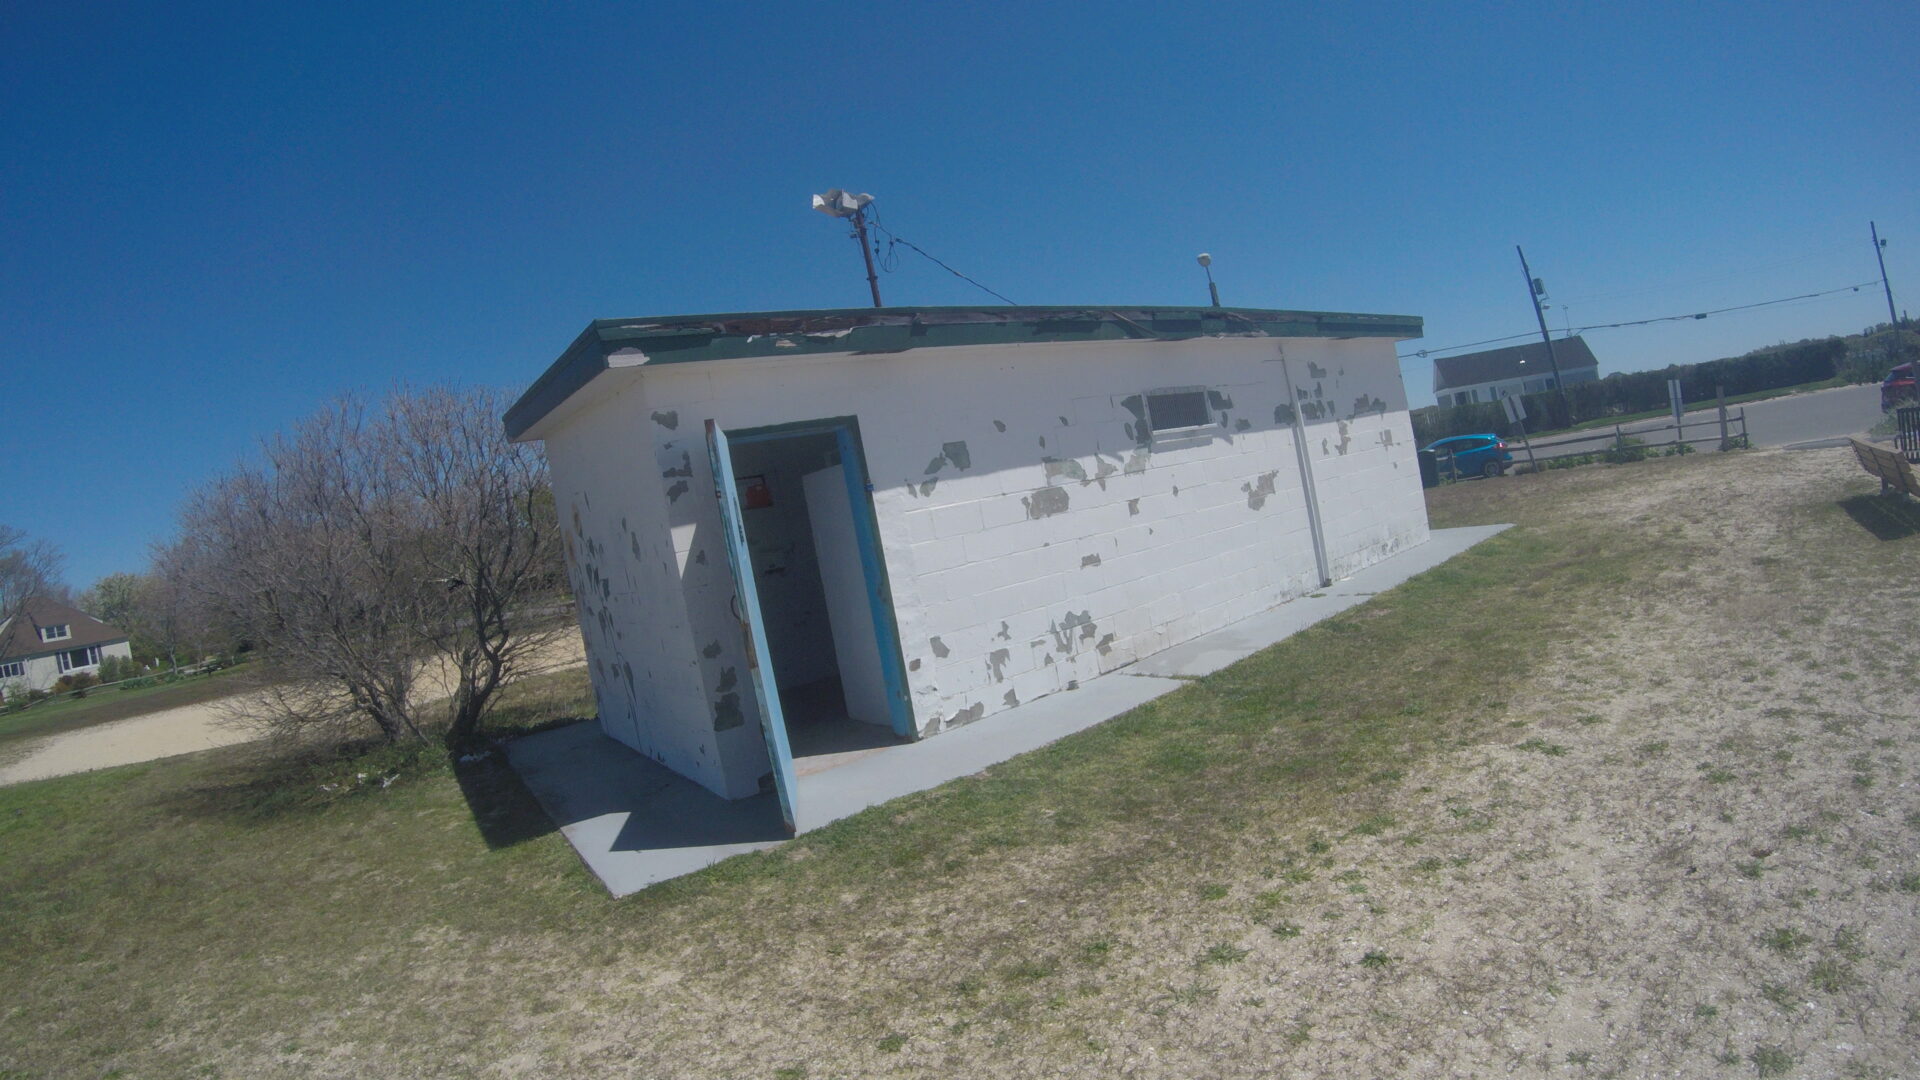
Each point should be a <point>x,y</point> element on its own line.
<point>213,219</point>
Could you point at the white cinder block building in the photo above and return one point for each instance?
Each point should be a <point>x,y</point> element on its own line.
<point>805,533</point>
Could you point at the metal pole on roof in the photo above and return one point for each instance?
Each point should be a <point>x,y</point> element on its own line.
<point>866,252</point>
<point>853,205</point>
<point>1534,289</point>
<point>1206,263</point>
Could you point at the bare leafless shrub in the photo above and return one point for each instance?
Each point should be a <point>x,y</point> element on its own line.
<point>385,562</point>
<point>28,568</point>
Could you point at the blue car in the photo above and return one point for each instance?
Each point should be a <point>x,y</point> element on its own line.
<point>1474,455</point>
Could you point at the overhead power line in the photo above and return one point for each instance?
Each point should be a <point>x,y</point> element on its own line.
<point>1422,353</point>
<point>888,261</point>
<point>1724,310</point>
<point>1746,270</point>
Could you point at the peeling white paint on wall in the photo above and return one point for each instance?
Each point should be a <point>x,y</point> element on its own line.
<point>1035,533</point>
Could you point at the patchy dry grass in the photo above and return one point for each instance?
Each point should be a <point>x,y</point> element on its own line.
<point>1372,850</point>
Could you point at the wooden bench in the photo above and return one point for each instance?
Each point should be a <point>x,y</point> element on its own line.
<point>1893,471</point>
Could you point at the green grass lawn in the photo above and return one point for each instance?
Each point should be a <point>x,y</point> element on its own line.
<point>106,704</point>
<point>247,912</point>
<point>233,894</point>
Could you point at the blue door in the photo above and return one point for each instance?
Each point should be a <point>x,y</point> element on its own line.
<point>773,725</point>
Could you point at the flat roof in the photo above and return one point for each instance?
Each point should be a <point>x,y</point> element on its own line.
<point>680,339</point>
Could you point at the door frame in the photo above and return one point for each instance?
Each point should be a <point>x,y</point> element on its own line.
<point>873,563</point>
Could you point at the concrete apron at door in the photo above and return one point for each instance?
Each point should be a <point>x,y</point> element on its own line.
<point>636,823</point>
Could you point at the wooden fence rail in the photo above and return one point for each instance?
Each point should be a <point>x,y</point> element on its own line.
<point>1723,434</point>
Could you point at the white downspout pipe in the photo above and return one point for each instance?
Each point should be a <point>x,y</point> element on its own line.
<point>1306,473</point>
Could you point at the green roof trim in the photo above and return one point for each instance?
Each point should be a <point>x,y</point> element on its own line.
<point>681,339</point>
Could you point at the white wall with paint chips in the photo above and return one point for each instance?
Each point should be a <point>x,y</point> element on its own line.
<point>1035,535</point>
<point>630,585</point>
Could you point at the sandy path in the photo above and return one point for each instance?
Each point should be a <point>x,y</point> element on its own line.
<point>184,730</point>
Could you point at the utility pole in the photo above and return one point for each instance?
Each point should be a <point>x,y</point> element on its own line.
<point>866,252</point>
<point>847,204</point>
<point>1878,244</point>
<point>1534,289</point>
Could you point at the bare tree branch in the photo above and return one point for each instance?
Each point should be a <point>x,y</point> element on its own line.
<point>28,568</point>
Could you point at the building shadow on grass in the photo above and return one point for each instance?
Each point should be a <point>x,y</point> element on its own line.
<point>1887,517</point>
<point>630,802</point>
<point>274,779</point>
<point>504,810</point>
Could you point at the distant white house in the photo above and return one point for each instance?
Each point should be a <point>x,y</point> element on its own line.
<point>1518,369</point>
<point>49,639</point>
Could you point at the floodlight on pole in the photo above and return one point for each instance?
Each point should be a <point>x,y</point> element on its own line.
<point>1206,263</point>
<point>853,207</point>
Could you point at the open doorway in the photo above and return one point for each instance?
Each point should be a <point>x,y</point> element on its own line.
<point>830,639</point>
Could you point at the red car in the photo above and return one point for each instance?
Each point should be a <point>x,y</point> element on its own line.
<point>1897,387</point>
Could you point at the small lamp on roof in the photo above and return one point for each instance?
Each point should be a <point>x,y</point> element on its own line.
<point>1206,263</point>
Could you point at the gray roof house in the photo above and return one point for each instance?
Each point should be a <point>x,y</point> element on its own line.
<point>49,639</point>
<point>1516,369</point>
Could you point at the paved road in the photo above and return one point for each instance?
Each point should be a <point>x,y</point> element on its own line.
<point>1821,416</point>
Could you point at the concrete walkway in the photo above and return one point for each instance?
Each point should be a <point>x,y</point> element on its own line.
<point>636,823</point>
